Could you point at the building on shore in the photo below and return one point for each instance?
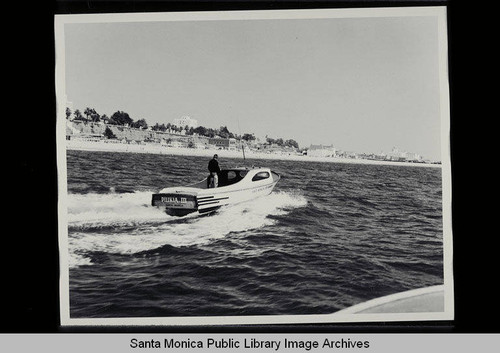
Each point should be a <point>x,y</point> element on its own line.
<point>396,155</point>
<point>218,142</point>
<point>223,143</point>
<point>322,151</point>
<point>348,154</point>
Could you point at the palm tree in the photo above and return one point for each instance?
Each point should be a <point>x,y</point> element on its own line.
<point>78,115</point>
<point>95,116</point>
<point>88,113</point>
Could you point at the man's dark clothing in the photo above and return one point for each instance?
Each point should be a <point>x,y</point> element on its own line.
<point>213,166</point>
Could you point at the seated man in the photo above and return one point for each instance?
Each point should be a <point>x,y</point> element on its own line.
<point>214,169</point>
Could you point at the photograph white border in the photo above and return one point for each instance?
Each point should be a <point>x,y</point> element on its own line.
<point>438,12</point>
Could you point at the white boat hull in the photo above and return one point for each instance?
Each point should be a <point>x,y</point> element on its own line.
<point>180,201</point>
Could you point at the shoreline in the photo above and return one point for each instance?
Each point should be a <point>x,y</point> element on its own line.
<point>177,151</point>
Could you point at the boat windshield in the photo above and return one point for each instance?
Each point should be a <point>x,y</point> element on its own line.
<point>229,177</point>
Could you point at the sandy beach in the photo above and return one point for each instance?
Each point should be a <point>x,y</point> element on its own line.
<point>108,146</point>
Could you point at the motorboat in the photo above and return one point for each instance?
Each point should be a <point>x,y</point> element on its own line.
<point>235,185</point>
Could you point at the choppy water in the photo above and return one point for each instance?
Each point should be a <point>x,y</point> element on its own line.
<point>329,236</point>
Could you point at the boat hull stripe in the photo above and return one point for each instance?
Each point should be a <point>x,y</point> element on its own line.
<point>209,203</point>
<point>205,202</point>
<point>202,198</point>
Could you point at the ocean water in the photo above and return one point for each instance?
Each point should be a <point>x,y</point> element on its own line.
<point>329,236</point>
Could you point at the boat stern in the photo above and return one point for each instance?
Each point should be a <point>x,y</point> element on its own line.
<point>175,204</point>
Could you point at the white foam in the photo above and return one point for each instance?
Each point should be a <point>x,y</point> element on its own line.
<point>92,210</point>
<point>148,228</point>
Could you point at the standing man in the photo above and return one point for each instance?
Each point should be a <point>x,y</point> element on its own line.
<point>214,169</point>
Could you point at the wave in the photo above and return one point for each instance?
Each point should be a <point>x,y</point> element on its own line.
<point>100,210</point>
<point>128,224</point>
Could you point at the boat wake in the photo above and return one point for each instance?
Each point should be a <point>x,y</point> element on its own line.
<point>128,224</point>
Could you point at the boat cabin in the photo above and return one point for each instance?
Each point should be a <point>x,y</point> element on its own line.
<point>232,176</point>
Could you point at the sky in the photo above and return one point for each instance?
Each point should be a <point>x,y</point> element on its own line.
<point>359,84</point>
